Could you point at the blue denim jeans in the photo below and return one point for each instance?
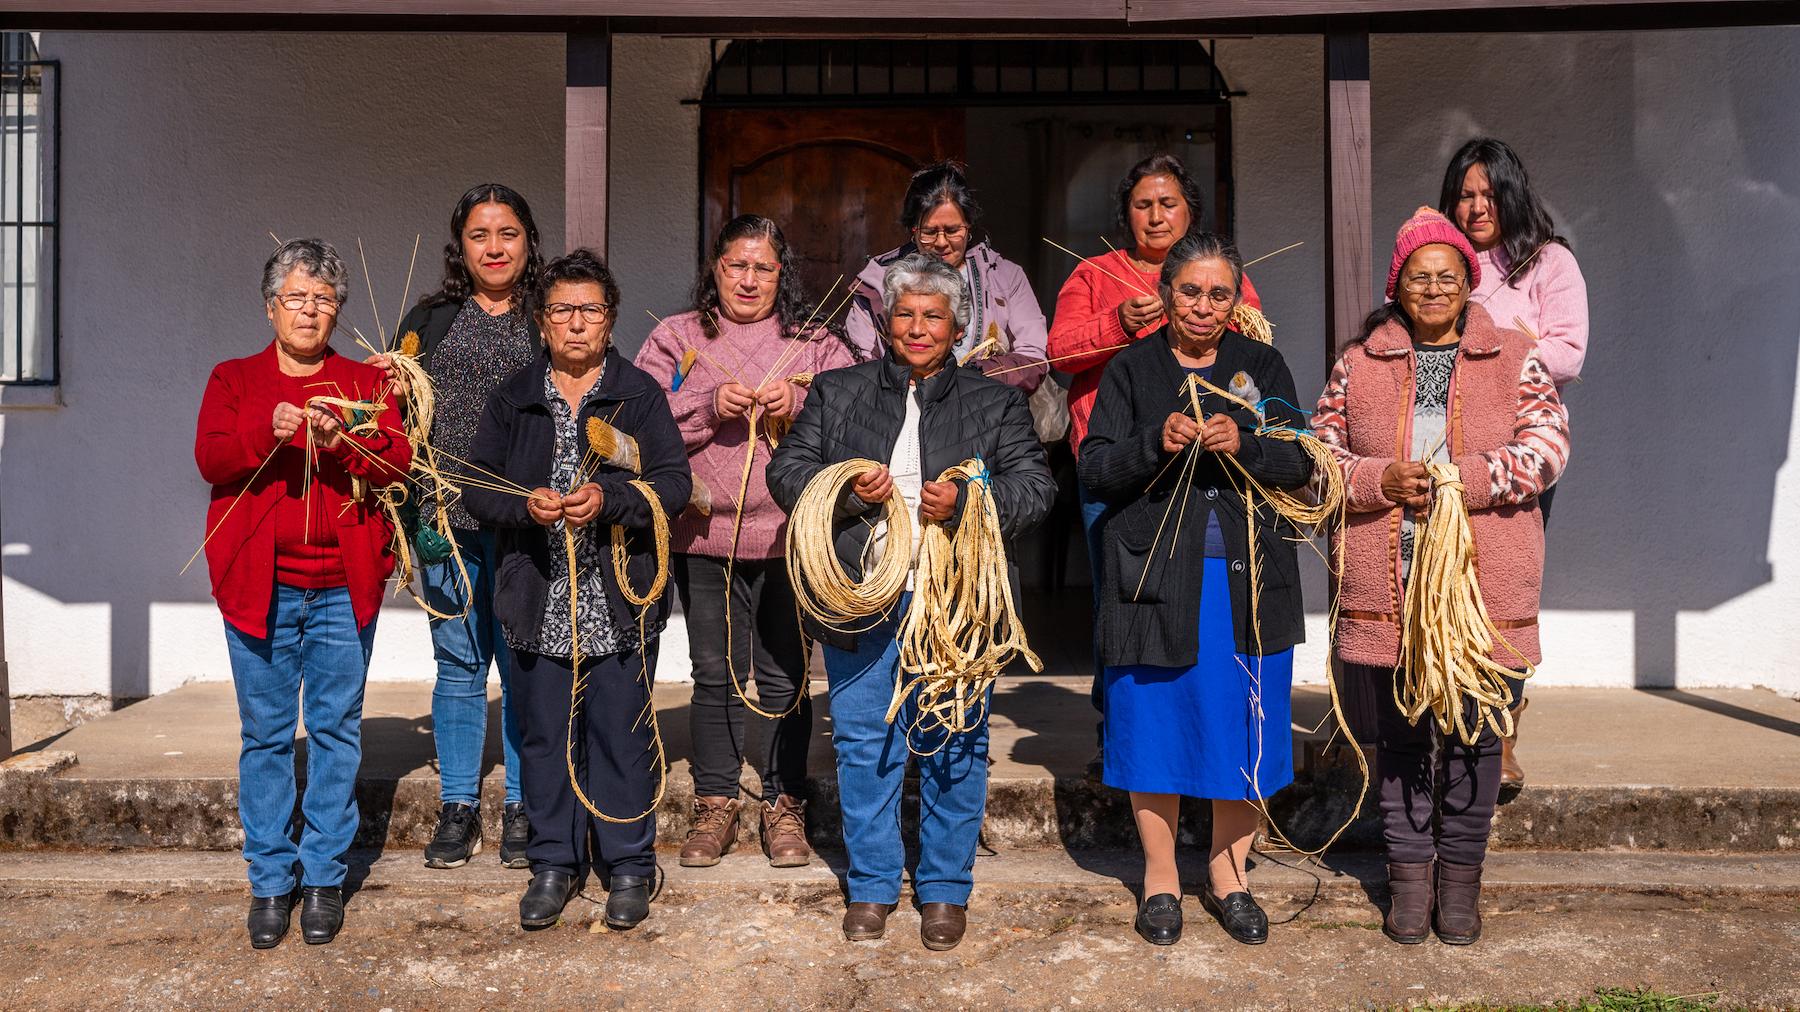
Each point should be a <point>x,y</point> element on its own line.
<point>464,648</point>
<point>314,660</point>
<point>871,764</point>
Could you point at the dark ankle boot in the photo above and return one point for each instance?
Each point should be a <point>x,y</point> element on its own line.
<point>627,902</point>
<point>269,916</point>
<point>550,890</point>
<point>1408,919</point>
<point>321,913</point>
<point>1458,918</point>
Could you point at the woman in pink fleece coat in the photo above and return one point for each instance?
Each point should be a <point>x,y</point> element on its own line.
<point>1529,280</point>
<point>741,353</point>
<point>1434,378</point>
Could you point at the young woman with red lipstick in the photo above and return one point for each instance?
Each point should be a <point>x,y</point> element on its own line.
<point>474,332</point>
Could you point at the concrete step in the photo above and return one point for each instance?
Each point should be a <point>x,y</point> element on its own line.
<point>1608,770</point>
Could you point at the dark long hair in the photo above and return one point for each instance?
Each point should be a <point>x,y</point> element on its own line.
<point>940,183</point>
<point>1524,224</point>
<point>458,284</point>
<point>1160,164</point>
<point>792,307</point>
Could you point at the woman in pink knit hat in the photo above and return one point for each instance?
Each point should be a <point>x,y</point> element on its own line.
<point>1433,378</point>
<point>1529,277</point>
<point>741,352</point>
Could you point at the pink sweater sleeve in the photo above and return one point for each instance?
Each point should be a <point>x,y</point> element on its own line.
<point>1561,296</point>
<point>692,403</point>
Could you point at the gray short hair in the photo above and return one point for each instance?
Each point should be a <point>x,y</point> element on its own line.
<point>919,274</point>
<point>314,256</point>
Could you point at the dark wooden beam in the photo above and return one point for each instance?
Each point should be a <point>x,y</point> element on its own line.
<point>1348,187</point>
<point>587,110</point>
<point>6,726</point>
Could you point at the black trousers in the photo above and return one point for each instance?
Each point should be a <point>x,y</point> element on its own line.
<point>1437,794</point>
<point>767,646</point>
<point>614,758</point>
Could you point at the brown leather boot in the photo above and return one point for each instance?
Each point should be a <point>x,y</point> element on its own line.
<point>1408,918</point>
<point>1512,775</point>
<point>713,834</point>
<point>784,832</point>
<point>1458,917</point>
<point>941,925</point>
<point>865,922</point>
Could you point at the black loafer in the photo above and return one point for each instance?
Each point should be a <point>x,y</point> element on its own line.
<point>550,890</point>
<point>268,920</point>
<point>321,913</point>
<point>1159,919</point>
<point>627,902</point>
<point>1239,915</point>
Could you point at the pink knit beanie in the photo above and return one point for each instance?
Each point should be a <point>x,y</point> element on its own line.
<point>1425,227</point>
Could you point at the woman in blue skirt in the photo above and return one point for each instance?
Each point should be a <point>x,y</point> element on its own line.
<point>1198,655</point>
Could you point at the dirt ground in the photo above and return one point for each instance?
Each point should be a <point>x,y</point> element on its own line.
<point>780,948</point>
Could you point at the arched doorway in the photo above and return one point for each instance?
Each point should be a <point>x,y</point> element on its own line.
<point>823,135</point>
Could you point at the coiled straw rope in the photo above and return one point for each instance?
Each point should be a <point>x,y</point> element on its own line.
<point>659,521</point>
<point>1446,635</point>
<point>822,590</point>
<point>962,628</point>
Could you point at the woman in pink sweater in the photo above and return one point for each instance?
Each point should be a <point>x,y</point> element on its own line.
<point>1434,378</point>
<point>1529,280</point>
<point>738,360</point>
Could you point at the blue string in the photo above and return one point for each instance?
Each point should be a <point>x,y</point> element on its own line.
<point>1262,406</point>
<point>985,475</point>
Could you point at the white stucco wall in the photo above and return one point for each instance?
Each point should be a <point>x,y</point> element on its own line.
<point>1668,158</point>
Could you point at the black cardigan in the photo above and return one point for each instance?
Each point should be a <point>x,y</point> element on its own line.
<point>1123,452</point>
<point>517,439</point>
<point>858,411</point>
<point>432,321</point>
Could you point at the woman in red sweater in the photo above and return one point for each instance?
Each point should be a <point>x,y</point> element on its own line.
<point>297,549</point>
<point>1111,301</point>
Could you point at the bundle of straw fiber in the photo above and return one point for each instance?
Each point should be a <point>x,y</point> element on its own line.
<point>1446,635</point>
<point>962,628</point>
<point>822,590</point>
<point>1250,322</point>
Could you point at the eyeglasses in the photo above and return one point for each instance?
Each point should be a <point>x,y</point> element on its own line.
<point>1187,297</point>
<point>736,269</point>
<point>563,312</point>
<point>1449,284</point>
<point>931,233</point>
<point>293,302</point>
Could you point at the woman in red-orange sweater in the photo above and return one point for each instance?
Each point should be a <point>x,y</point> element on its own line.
<point>1111,301</point>
<point>298,550</point>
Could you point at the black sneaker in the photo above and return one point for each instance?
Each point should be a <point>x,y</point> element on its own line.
<point>515,833</point>
<point>458,837</point>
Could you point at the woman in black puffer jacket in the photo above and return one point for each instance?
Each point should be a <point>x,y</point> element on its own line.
<point>918,410</point>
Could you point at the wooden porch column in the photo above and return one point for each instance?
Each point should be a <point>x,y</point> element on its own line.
<point>1349,279</point>
<point>586,111</point>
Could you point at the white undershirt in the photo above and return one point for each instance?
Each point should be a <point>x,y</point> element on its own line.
<point>908,473</point>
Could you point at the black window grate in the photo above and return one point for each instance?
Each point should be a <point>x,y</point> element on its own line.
<point>30,163</point>
<point>759,72</point>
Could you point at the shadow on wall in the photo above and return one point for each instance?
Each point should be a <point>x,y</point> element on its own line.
<point>1674,179</point>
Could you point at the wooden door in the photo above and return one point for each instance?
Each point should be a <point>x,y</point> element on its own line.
<point>833,179</point>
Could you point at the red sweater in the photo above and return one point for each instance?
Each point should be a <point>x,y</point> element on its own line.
<point>345,543</point>
<point>1087,326</point>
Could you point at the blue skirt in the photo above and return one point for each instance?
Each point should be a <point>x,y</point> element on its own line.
<point>1200,730</point>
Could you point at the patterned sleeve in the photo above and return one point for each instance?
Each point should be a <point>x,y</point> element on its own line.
<point>1521,470</point>
<point>1362,475</point>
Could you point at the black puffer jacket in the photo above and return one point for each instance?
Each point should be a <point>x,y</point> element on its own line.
<point>858,412</point>
<point>1157,623</point>
<point>517,440</point>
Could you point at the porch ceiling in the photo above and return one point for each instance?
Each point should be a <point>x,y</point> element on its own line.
<point>898,18</point>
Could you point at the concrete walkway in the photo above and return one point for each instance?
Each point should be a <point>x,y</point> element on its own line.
<point>1643,770</point>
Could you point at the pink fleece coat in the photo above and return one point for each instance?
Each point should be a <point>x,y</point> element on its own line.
<point>715,446</point>
<point>1549,296</point>
<point>1508,436</point>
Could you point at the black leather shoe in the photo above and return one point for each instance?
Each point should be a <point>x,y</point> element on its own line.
<point>515,834</point>
<point>1239,915</point>
<point>550,890</point>
<point>321,913</point>
<point>627,902</point>
<point>269,919</point>
<point>1159,919</point>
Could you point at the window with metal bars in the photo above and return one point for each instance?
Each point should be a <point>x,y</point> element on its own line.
<point>29,133</point>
